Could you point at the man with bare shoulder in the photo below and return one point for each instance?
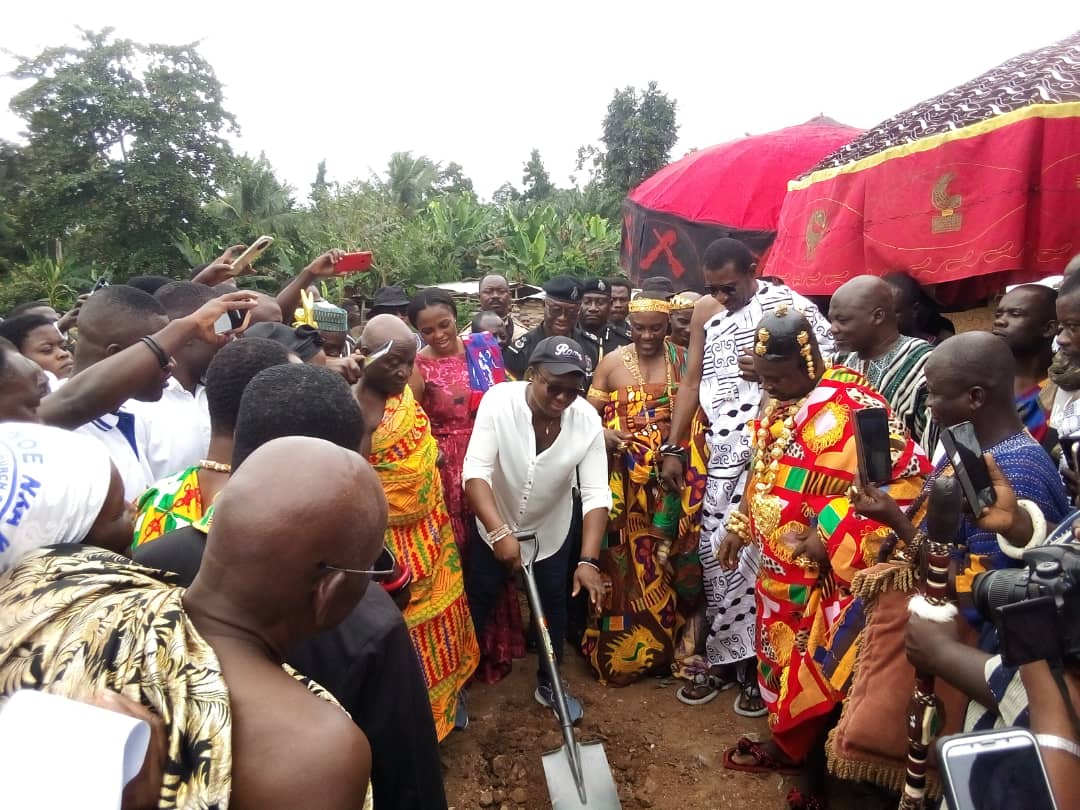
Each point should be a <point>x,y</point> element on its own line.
<point>286,558</point>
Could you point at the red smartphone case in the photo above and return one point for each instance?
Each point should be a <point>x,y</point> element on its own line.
<point>353,263</point>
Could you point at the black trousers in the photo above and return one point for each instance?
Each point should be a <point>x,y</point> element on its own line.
<point>485,579</point>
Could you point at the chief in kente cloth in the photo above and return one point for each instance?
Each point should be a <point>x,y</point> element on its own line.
<point>797,511</point>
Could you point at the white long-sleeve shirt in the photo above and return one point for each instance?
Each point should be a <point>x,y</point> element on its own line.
<point>533,492</point>
<point>179,429</point>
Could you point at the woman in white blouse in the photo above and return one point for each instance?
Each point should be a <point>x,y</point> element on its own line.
<point>532,443</point>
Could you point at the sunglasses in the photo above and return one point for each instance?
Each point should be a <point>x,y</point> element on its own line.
<point>570,311</point>
<point>556,390</point>
<point>726,289</point>
<point>385,565</point>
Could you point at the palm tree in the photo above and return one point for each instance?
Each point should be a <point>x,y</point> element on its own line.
<point>410,181</point>
<point>256,202</point>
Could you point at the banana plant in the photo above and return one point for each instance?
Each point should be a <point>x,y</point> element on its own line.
<point>54,280</point>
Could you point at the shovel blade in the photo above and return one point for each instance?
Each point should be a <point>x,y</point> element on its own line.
<point>600,792</point>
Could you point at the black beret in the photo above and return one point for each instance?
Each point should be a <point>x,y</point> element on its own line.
<point>596,285</point>
<point>563,288</point>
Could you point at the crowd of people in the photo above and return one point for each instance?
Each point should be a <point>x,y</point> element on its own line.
<point>679,468</point>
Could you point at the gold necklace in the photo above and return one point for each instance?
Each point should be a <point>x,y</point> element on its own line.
<point>215,466</point>
<point>780,428</point>
<point>630,360</point>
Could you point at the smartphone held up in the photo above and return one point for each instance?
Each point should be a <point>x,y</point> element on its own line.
<point>873,446</point>
<point>358,262</point>
<point>232,320</point>
<point>243,262</point>
<point>964,451</point>
<point>994,769</point>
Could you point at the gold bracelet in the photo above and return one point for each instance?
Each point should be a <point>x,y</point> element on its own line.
<point>739,529</point>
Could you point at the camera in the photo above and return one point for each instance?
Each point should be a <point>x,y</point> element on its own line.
<point>1036,609</point>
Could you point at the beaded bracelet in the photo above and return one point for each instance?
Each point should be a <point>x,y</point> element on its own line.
<point>152,345</point>
<point>673,450</point>
<point>497,535</point>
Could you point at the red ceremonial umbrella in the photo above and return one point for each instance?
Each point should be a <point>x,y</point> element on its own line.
<point>732,189</point>
<point>970,190</point>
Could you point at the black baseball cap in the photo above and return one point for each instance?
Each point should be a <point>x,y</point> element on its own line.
<point>559,355</point>
<point>392,297</point>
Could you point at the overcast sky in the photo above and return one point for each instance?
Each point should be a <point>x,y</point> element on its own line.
<point>482,83</point>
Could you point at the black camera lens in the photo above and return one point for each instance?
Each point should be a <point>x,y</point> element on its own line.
<point>995,589</point>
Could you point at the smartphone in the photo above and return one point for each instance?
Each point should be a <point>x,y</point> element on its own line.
<point>232,319</point>
<point>248,257</point>
<point>100,284</point>
<point>353,263</point>
<point>872,445</point>
<point>964,451</point>
<point>1070,446</point>
<point>382,351</point>
<point>993,769</point>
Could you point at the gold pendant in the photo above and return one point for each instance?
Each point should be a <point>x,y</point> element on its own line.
<point>766,509</point>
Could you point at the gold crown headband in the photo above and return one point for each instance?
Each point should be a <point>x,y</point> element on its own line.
<point>680,302</point>
<point>640,304</point>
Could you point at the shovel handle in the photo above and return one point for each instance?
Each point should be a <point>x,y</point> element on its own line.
<point>547,652</point>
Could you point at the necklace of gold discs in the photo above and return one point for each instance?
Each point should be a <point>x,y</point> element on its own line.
<point>780,428</point>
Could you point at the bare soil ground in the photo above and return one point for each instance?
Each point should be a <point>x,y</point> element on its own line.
<point>663,754</point>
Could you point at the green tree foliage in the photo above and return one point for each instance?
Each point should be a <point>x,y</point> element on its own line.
<point>506,195</point>
<point>319,189</point>
<point>125,171</point>
<point>410,181</point>
<point>12,184</point>
<point>536,180</point>
<point>253,200</point>
<point>639,133</point>
<point>125,144</point>
<point>452,180</point>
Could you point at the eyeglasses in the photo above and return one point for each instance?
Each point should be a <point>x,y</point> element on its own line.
<point>386,564</point>
<point>556,390</point>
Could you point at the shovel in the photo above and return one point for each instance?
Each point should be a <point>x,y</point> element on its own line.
<point>578,775</point>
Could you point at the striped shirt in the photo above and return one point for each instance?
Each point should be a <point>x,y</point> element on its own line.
<point>898,375</point>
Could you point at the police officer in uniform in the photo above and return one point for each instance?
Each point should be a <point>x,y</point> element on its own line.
<point>562,307</point>
<point>601,337</point>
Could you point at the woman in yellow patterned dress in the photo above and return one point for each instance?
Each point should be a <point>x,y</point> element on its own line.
<point>405,455</point>
<point>651,566</point>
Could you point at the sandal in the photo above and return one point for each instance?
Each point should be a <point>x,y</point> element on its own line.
<point>797,800</point>
<point>703,681</point>
<point>765,762</point>
<point>748,692</point>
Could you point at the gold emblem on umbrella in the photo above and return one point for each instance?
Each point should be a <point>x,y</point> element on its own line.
<point>949,219</point>
<point>815,230</point>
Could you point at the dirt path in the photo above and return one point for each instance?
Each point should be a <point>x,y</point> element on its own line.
<point>663,754</point>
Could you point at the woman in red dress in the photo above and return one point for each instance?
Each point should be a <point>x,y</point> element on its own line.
<point>449,378</point>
